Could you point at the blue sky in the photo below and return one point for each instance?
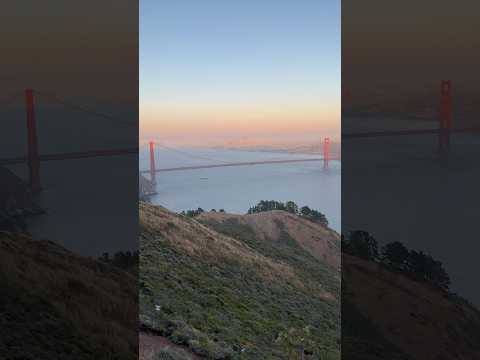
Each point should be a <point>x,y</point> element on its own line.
<point>237,53</point>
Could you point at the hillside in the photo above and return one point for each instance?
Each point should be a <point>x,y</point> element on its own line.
<point>57,305</point>
<point>15,202</point>
<point>240,287</point>
<point>393,317</point>
<point>267,227</point>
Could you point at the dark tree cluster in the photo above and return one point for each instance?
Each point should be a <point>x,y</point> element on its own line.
<point>125,260</point>
<point>193,213</point>
<point>361,244</point>
<point>220,210</point>
<point>397,257</point>
<point>291,207</point>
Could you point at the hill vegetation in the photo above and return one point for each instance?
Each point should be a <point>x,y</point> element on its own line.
<point>396,257</point>
<point>265,285</point>
<point>225,290</point>
<point>126,260</point>
<point>58,305</point>
<point>387,315</point>
<point>396,305</point>
<point>304,211</point>
<point>272,205</point>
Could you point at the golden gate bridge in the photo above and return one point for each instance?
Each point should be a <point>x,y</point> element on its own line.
<point>215,163</point>
<point>33,158</point>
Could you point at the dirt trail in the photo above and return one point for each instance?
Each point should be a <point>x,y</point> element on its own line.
<point>150,344</point>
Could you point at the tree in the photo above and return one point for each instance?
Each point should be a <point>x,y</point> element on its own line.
<point>317,216</point>
<point>267,205</point>
<point>415,264</point>
<point>125,260</point>
<point>291,207</point>
<point>362,244</point>
<point>395,254</point>
<point>305,211</point>
<point>424,267</point>
<point>193,213</point>
<point>439,276</point>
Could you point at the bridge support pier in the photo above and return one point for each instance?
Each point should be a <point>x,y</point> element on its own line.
<point>445,119</point>
<point>153,172</point>
<point>326,152</point>
<point>32,143</point>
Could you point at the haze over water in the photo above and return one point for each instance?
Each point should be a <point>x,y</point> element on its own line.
<point>235,189</point>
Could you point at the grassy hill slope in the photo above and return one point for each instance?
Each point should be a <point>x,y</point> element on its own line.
<point>391,316</point>
<point>268,229</point>
<point>227,293</point>
<point>57,305</point>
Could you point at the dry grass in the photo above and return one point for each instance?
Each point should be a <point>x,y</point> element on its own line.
<point>321,242</point>
<point>95,302</point>
<point>413,316</point>
<point>198,240</point>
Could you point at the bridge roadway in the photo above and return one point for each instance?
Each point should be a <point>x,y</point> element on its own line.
<point>126,151</point>
<point>243,163</point>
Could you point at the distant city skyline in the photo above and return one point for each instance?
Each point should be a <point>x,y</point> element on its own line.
<point>259,70</point>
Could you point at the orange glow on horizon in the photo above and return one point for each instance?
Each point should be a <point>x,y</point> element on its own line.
<point>238,119</point>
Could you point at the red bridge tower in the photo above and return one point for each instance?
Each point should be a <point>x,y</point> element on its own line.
<point>32,143</point>
<point>153,172</point>
<point>445,121</point>
<point>326,152</point>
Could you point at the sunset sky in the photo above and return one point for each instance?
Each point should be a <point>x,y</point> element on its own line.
<point>215,69</point>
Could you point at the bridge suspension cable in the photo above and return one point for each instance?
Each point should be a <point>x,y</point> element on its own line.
<point>153,170</point>
<point>33,157</point>
<point>185,153</point>
<point>84,109</point>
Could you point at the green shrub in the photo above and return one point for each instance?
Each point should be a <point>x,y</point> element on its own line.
<point>170,353</point>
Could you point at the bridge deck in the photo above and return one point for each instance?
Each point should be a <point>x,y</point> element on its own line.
<point>244,163</point>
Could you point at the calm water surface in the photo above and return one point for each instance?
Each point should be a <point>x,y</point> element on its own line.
<point>235,189</point>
